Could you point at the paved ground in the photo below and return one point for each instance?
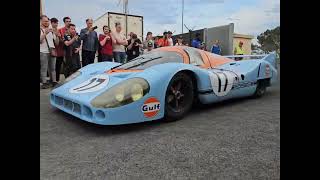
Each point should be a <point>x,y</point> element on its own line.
<point>239,139</point>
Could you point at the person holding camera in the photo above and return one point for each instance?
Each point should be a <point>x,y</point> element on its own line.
<point>105,41</point>
<point>133,48</point>
<point>72,48</point>
<point>90,43</point>
<point>60,47</point>
<point>164,40</point>
<point>48,40</point>
<point>148,40</point>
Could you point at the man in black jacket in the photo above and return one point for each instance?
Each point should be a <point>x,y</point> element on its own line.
<point>90,43</point>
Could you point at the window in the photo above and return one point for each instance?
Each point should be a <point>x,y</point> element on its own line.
<point>152,58</point>
<point>195,56</point>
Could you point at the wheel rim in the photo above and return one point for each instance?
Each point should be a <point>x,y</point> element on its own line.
<point>179,95</point>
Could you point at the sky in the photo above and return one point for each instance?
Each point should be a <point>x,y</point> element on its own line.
<point>250,17</point>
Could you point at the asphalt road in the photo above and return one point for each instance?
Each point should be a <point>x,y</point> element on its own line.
<point>238,139</point>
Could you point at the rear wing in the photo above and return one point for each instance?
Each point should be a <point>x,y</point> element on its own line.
<point>271,58</point>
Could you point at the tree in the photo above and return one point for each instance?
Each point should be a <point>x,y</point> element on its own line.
<point>270,40</point>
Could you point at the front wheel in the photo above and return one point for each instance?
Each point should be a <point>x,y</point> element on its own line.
<point>179,97</point>
<point>261,89</point>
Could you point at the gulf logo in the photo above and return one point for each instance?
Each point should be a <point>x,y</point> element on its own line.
<point>151,107</point>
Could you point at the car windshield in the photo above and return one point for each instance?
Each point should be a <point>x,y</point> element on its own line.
<point>150,59</point>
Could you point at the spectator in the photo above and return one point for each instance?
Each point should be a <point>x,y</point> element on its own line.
<point>72,44</point>
<point>90,43</point>
<point>147,41</point>
<point>238,50</point>
<point>156,42</point>
<point>119,42</point>
<point>196,42</point>
<point>106,45</point>
<point>54,24</point>
<point>134,45</point>
<point>180,40</point>
<point>164,40</point>
<point>47,45</point>
<point>170,41</point>
<point>149,47</point>
<point>60,49</point>
<point>216,49</point>
<point>203,46</point>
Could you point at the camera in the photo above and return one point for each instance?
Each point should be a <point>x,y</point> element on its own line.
<point>94,28</point>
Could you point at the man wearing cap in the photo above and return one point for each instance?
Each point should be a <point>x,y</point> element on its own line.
<point>238,50</point>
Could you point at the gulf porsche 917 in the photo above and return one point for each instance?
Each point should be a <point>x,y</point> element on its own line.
<point>161,84</point>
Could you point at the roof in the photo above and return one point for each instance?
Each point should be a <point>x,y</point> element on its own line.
<point>235,35</point>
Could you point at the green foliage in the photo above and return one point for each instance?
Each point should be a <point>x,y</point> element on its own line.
<point>270,40</point>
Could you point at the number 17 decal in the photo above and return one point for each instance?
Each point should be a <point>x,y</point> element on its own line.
<point>93,84</point>
<point>221,82</point>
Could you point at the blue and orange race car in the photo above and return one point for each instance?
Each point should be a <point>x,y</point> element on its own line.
<point>161,84</point>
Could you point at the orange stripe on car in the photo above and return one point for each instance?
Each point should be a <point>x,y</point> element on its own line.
<point>122,70</point>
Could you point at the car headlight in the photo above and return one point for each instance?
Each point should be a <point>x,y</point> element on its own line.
<point>121,94</point>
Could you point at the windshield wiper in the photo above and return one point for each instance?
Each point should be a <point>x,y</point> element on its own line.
<point>143,62</point>
<point>127,62</point>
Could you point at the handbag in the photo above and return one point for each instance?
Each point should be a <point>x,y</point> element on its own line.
<point>53,51</point>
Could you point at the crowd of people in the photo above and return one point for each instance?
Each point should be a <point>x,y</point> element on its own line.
<point>62,47</point>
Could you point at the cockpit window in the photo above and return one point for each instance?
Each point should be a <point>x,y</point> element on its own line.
<point>195,56</point>
<point>152,58</point>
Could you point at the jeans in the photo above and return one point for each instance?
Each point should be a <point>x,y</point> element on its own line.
<point>88,57</point>
<point>105,57</point>
<point>47,63</point>
<point>72,64</point>
<point>120,57</point>
<point>59,61</point>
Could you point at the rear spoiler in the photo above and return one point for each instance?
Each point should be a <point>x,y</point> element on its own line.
<point>271,58</point>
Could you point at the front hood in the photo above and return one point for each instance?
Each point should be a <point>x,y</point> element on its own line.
<point>88,86</point>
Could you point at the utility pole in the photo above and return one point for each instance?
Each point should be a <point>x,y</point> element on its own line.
<point>182,16</point>
<point>41,12</point>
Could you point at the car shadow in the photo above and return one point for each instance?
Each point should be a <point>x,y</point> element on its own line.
<point>106,129</point>
<point>96,129</point>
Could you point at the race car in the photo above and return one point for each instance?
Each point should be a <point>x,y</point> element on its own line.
<point>162,84</point>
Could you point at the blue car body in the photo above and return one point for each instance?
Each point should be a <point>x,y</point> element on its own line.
<point>229,80</point>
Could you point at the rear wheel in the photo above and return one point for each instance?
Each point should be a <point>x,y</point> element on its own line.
<point>179,97</point>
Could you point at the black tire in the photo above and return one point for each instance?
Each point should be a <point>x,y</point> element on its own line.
<point>260,90</point>
<point>179,97</point>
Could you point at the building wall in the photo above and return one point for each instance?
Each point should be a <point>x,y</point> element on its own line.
<point>186,36</point>
<point>222,33</point>
<point>246,44</point>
